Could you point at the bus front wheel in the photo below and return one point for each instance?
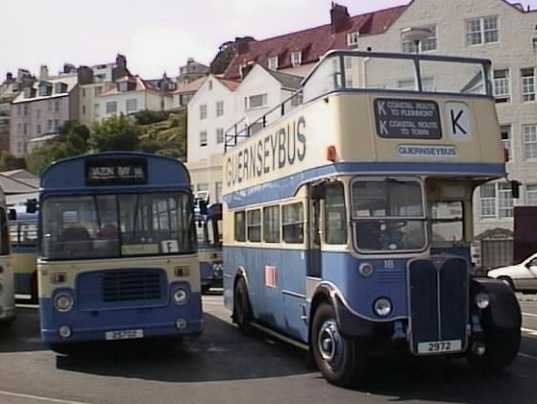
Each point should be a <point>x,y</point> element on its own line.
<point>341,360</point>
<point>501,349</point>
<point>242,311</point>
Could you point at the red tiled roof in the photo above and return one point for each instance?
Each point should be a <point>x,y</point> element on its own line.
<point>141,85</point>
<point>313,42</point>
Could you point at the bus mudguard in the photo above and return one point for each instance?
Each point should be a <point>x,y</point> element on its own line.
<point>504,311</point>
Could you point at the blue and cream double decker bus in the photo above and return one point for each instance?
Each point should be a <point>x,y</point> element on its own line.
<point>117,250</point>
<point>23,237</point>
<point>348,219</point>
<point>209,227</point>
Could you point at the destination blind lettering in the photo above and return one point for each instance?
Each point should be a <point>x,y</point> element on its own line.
<point>116,172</point>
<point>407,119</point>
<point>273,152</point>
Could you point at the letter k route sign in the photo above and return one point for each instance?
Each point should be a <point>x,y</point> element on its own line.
<point>459,121</point>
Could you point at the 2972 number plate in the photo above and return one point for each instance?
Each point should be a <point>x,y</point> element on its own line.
<point>124,334</point>
<point>440,346</point>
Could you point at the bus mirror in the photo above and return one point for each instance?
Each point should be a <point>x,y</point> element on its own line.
<point>515,189</point>
<point>318,191</point>
<point>12,214</point>
<point>31,206</point>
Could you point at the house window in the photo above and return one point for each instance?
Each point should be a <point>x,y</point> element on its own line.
<point>296,58</point>
<point>83,92</point>
<point>49,105</point>
<point>482,30</point>
<point>111,107</point>
<point>505,201</point>
<point>506,140</point>
<point>132,105</point>
<point>529,138</point>
<point>219,136</point>
<point>49,125</point>
<point>38,129</point>
<point>427,44</point>
<point>220,108</point>
<point>352,39</point>
<point>83,110</point>
<point>531,194</point>
<point>98,91</point>
<point>528,84</point>
<point>273,62</point>
<point>203,139</point>
<point>25,129</point>
<point>501,86</point>
<point>56,124</point>
<point>56,106</point>
<point>203,111</point>
<point>487,195</point>
<point>25,109</point>
<point>256,101</point>
<point>19,110</point>
<point>96,107</point>
<point>123,86</point>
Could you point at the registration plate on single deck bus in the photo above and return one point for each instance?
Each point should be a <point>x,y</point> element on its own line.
<point>440,346</point>
<point>124,334</point>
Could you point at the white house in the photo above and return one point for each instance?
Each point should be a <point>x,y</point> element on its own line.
<point>211,111</point>
<point>130,95</point>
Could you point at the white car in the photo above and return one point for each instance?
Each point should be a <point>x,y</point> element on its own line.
<point>521,277</point>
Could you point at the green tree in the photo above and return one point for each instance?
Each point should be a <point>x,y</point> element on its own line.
<point>72,140</point>
<point>116,133</point>
<point>10,162</point>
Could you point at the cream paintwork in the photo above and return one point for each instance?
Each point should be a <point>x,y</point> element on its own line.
<point>523,275</point>
<point>210,255</point>
<point>74,268</point>
<point>347,121</point>
<point>7,295</point>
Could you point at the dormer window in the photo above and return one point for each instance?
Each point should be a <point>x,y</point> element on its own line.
<point>123,86</point>
<point>296,58</point>
<point>273,63</point>
<point>352,39</point>
<point>60,88</point>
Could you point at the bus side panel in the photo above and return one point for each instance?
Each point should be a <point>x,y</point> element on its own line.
<point>388,280</point>
<point>294,293</point>
<point>24,265</point>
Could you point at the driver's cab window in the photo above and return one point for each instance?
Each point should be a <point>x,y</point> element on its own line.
<point>447,222</point>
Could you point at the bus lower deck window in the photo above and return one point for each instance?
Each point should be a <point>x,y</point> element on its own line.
<point>293,223</point>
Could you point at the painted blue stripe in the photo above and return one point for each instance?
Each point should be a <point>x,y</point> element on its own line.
<point>285,187</point>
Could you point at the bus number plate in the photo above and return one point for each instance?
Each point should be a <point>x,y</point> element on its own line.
<point>124,334</point>
<point>439,347</point>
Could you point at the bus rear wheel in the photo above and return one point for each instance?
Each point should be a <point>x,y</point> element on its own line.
<point>341,360</point>
<point>242,311</point>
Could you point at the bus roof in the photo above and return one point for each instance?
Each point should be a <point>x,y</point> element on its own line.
<point>102,171</point>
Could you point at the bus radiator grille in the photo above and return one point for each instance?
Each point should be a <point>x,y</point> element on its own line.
<point>438,300</point>
<point>128,285</point>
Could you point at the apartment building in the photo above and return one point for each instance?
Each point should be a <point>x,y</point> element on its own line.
<point>41,109</point>
<point>186,91</point>
<point>191,71</point>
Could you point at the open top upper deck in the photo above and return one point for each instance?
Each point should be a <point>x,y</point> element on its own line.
<point>118,170</point>
<point>375,112</point>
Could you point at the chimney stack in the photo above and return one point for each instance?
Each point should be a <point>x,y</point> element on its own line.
<point>9,77</point>
<point>43,73</point>
<point>339,17</point>
<point>85,75</point>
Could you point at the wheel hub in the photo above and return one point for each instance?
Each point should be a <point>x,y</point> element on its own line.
<point>329,341</point>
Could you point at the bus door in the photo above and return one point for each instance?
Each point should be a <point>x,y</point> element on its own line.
<point>314,262</point>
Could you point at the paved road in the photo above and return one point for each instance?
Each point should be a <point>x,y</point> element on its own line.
<point>225,367</point>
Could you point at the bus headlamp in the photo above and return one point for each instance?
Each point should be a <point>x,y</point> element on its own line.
<point>482,300</point>
<point>383,307</point>
<point>63,302</point>
<point>366,269</point>
<point>65,331</point>
<point>217,269</point>
<point>180,296</point>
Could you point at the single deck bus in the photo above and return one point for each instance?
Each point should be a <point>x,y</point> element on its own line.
<point>117,250</point>
<point>23,238</point>
<point>209,225</point>
<point>348,219</point>
<point>7,281</point>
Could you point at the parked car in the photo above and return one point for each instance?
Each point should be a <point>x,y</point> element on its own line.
<point>521,277</point>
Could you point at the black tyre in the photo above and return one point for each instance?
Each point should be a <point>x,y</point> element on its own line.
<point>242,310</point>
<point>501,350</point>
<point>65,349</point>
<point>5,324</point>
<point>341,360</point>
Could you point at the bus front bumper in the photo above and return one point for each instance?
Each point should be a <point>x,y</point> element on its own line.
<point>120,324</point>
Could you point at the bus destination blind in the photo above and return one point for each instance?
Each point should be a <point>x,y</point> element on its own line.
<point>407,119</point>
<point>116,172</point>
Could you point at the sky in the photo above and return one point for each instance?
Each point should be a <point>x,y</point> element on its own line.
<point>156,35</point>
